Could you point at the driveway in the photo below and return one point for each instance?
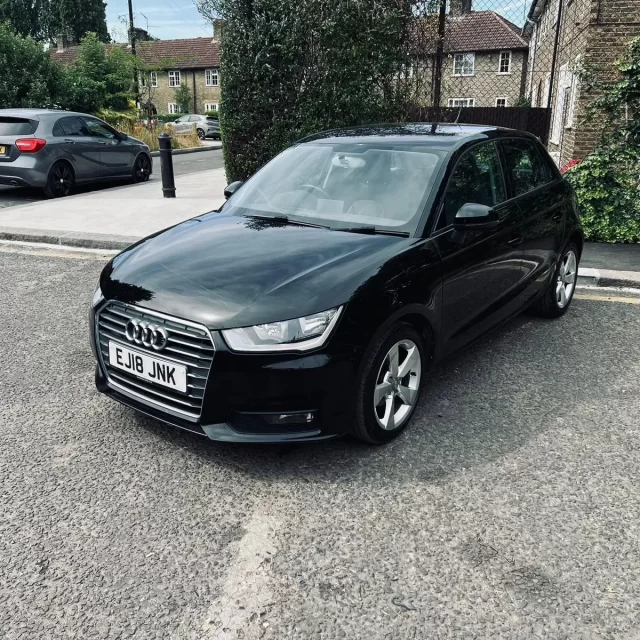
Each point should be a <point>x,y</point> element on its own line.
<point>182,164</point>
<point>510,509</point>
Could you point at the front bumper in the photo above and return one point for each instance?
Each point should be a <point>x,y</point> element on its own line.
<point>245,392</point>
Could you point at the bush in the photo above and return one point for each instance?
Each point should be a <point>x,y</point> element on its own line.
<point>607,184</point>
<point>290,73</point>
<point>149,135</point>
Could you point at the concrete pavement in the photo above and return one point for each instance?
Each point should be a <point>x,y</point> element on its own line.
<point>509,510</point>
<point>114,219</point>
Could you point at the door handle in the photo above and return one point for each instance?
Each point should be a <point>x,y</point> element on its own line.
<point>103,144</point>
<point>69,141</point>
<point>515,240</point>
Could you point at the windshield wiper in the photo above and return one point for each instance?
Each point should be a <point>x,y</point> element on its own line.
<point>373,231</point>
<point>287,220</point>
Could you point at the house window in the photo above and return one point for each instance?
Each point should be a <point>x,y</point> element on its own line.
<point>212,77</point>
<point>462,102</point>
<point>564,105</point>
<point>211,106</point>
<point>149,79</point>
<point>153,77</point>
<point>505,62</point>
<point>501,102</point>
<point>174,78</point>
<point>464,64</point>
<point>174,107</point>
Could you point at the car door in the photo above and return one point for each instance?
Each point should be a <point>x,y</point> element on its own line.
<point>115,154</point>
<point>542,197</point>
<point>481,267</point>
<point>78,146</point>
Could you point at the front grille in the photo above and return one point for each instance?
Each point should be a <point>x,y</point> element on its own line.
<point>188,344</point>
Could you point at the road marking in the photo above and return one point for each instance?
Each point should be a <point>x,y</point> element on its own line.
<point>606,298</point>
<point>241,610</point>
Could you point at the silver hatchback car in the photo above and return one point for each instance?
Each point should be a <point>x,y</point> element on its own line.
<point>56,150</point>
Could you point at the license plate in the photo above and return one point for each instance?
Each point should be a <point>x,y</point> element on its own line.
<point>3,150</point>
<point>151,369</point>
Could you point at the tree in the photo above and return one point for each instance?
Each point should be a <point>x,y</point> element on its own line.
<point>25,16</point>
<point>47,19</point>
<point>288,73</point>
<point>29,77</point>
<point>76,18</point>
<point>100,78</point>
<point>183,98</point>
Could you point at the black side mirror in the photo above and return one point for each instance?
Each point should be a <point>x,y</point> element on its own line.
<point>122,136</point>
<point>475,216</point>
<point>232,188</point>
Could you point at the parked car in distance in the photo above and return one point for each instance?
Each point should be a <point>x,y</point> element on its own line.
<point>204,126</point>
<point>315,302</point>
<point>56,150</point>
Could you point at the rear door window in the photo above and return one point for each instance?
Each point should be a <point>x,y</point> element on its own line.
<point>72,127</point>
<point>17,126</point>
<point>524,166</point>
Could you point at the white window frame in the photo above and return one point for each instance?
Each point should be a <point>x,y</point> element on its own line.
<point>174,78</point>
<point>153,78</point>
<point>566,80</point>
<point>215,105</point>
<point>174,108</point>
<point>464,58</point>
<point>470,102</point>
<point>210,75</point>
<point>508,71</point>
<point>506,101</point>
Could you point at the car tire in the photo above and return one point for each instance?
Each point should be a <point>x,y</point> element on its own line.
<point>141,168</point>
<point>201,134</point>
<point>559,294</point>
<point>60,181</point>
<point>385,402</point>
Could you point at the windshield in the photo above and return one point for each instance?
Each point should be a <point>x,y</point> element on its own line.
<point>342,185</point>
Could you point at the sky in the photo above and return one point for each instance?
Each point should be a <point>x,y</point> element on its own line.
<point>167,19</point>
<point>180,19</point>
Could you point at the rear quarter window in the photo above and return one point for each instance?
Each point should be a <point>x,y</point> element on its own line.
<point>17,126</point>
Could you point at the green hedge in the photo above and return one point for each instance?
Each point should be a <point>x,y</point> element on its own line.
<point>607,184</point>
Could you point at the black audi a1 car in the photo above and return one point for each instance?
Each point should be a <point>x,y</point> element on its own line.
<point>314,303</point>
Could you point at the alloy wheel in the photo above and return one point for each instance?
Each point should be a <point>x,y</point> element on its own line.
<point>397,385</point>
<point>61,180</point>
<point>566,282</point>
<point>142,169</point>
<point>201,134</point>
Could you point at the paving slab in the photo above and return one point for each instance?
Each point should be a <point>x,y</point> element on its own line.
<point>115,217</point>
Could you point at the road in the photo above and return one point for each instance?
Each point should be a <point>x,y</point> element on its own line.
<point>510,509</point>
<point>182,164</point>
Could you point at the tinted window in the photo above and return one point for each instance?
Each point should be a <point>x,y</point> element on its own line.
<point>99,129</point>
<point>17,126</point>
<point>476,179</point>
<point>57,130</point>
<point>72,127</point>
<point>524,166</point>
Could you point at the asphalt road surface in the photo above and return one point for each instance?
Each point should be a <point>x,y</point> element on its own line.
<point>182,164</point>
<point>510,509</point>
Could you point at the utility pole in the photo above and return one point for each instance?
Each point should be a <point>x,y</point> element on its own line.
<point>132,42</point>
<point>437,91</point>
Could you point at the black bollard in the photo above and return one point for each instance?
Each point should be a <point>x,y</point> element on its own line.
<point>166,166</point>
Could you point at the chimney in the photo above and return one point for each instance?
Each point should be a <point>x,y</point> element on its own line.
<point>218,27</point>
<point>61,41</point>
<point>459,7</point>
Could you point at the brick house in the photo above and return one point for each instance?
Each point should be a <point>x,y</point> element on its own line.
<point>485,58</point>
<point>565,35</point>
<point>193,61</point>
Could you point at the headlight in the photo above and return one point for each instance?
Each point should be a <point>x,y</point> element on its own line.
<point>301,334</point>
<point>97,298</point>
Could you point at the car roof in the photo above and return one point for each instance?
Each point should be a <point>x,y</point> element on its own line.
<point>39,113</point>
<point>445,136</point>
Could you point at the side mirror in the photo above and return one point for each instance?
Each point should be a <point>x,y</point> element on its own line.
<point>232,188</point>
<point>475,216</point>
<point>122,135</point>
